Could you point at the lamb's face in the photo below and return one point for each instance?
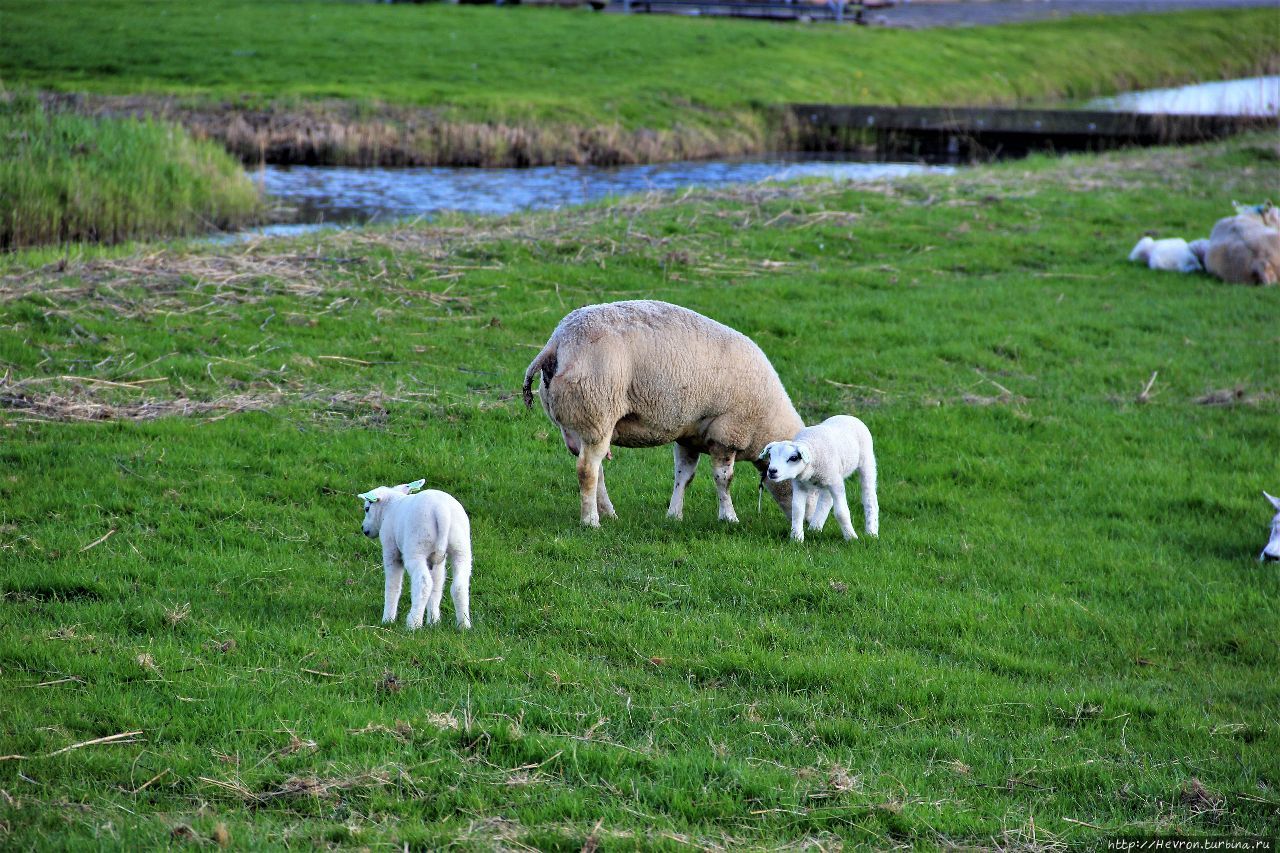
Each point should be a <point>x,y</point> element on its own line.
<point>375,504</point>
<point>1272,551</point>
<point>787,459</point>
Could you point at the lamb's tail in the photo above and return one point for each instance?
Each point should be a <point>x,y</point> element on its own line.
<point>544,361</point>
<point>867,474</point>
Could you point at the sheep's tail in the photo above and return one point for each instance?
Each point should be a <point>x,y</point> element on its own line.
<point>867,474</point>
<point>545,361</point>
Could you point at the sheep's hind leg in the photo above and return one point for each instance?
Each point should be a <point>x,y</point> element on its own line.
<point>686,467</point>
<point>460,591</point>
<point>589,459</point>
<point>841,502</point>
<point>437,589</point>
<point>604,506</point>
<point>722,471</point>
<point>419,590</point>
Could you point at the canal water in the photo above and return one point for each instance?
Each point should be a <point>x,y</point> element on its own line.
<point>323,195</point>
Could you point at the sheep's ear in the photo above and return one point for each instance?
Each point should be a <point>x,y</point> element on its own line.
<point>1275,501</point>
<point>416,485</point>
<point>805,456</point>
<point>368,496</point>
<point>767,448</point>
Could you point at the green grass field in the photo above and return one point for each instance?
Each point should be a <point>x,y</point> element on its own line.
<point>563,67</point>
<point>1062,634</point>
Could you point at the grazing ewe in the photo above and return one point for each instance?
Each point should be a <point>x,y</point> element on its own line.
<point>819,459</point>
<point>1173,255</point>
<point>644,373</point>
<point>418,531</point>
<point>1272,551</point>
<point>1245,248</point>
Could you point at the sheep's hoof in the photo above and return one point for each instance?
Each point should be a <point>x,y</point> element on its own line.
<point>590,522</point>
<point>678,516</point>
<point>732,519</point>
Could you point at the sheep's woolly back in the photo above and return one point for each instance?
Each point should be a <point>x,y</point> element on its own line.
<point>1245,250</point>
<point>645,373</point>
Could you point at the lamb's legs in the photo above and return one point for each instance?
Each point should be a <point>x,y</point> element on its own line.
<point>841,501</point>
<point>419,590</point>
<point>799,500</point>
<point>437,589</point>
<point>870,505</point>
<point>589,459</point>
<point>461,589</point>
<point>686,467</point>
<point>722,472</point>
<point>821,510</point>
<point>394,571</point>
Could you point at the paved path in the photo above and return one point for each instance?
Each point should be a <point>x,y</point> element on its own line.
<point>969,13</point>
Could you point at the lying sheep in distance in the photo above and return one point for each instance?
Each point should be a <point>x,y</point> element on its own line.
<point>1245,248</point>
<point>418,531</point>
<point>1272,551</point>
<point>818,460</point>
<point>1172,255</point>
<point>644,373</point>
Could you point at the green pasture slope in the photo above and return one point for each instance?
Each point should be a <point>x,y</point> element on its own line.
<point>1062,633</point>
<point>552,66</point>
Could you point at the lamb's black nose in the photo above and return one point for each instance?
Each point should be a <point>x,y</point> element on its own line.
<point>773,473</point>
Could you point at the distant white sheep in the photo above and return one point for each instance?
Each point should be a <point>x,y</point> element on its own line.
<point>1173,254</point>
<point>418,531</point>
<point>1272,551</point>
<point>819,459</point>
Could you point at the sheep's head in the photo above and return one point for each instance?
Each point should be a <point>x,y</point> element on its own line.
<point>1266,213</point>
<point>375,504</point>
<point>1142,251</point>
<point>1272,551</point>
<point>787,459</point>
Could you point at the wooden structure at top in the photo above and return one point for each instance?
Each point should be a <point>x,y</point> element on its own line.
<point>982,132</point>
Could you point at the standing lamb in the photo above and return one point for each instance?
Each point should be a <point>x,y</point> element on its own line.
<point>1272,551</point>
<point>644,373</point>
<point>1172,254</point>
<point>818,460</point>
<point>1245,249</point>
<point>418,531</point>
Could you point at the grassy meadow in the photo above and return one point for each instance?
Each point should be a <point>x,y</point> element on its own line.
<point>513,86</point>
<point>68,178</point>
<point>1062,634</point>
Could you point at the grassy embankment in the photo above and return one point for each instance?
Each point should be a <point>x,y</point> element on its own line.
<point>1062,633</point>
<point>394,84</point>
<point>73,178</point>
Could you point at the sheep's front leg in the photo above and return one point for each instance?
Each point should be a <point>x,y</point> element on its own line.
<point>722,471</point>
<point>604,506</point>
<point>393,568</point>
<point>589,460</point>
<point>437,589</point>
<point>841,502</point>
<point>821,510</point>
<point>460,591</point>
<point>419,590</point>
<point>799,500</point>
<point>686,467</point>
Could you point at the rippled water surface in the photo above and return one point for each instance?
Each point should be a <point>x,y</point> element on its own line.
<point>348,195</point>
<point>1254,96</point>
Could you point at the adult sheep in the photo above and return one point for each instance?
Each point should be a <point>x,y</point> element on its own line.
<point>1245,248</point>
<point>644,373</point>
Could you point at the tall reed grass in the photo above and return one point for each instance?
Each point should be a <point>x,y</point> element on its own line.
<point>66,178</point>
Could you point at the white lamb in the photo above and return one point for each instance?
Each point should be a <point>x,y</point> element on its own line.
<point>418,531</point>
<point>1173,255</point>
<point>1272,551</point>
<point>819,459</point>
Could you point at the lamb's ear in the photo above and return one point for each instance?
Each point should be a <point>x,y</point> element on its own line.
<point>806,455</point>
<point>368,496</point>
<point>416,485</point>
<point>767,448</point>
<point>1275,501</point>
